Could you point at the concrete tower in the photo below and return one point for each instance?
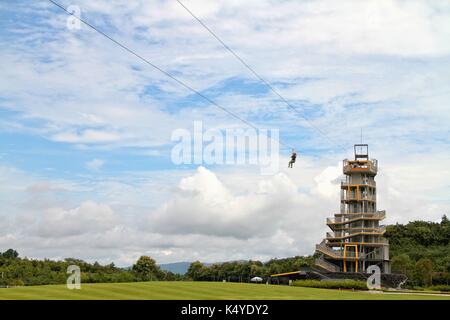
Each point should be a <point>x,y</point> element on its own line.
<point>356,240</point>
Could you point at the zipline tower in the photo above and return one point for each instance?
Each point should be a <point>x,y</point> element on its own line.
<point>356,240</point>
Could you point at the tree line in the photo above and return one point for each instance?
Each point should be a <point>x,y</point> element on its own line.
<point>421,251</point>
<point>243,271</point>
<point>16,271</point>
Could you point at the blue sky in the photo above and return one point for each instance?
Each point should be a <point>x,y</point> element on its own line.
<point>85,127</point>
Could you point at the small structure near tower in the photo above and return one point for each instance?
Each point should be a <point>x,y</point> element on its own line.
<point>356,240</point>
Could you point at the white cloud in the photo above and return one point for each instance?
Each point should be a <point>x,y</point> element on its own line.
<point>95,164</point>
<point>89,217</point>
<point>88,136</point>
<point>328,181</point>
<point>203,205</point>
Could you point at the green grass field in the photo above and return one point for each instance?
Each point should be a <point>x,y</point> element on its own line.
<point>194,290</point>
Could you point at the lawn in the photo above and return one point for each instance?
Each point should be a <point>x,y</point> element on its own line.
<point>194,290</point>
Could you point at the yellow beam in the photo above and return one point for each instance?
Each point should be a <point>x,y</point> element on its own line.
<point>284,274</point>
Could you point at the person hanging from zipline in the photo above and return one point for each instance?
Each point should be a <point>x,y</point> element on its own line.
<point>293,156</point>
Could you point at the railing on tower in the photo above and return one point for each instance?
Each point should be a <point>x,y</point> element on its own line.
<point>360,166</point>
<point>349,232</point>
<point>350,195</point>
<point>346,183</point>
<point>379,215</point>
<point>321,262</point>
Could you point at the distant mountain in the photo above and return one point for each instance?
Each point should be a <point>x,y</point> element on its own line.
<point>176,267</point>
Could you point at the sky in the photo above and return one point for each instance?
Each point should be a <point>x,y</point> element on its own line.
<point>85,127</point>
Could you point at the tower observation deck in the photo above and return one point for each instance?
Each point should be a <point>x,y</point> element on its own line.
<point>356,239</point>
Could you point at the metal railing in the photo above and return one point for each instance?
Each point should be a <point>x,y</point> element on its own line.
<point>328,251</point>
<point>346,183</point>
<point>374,256</point>
<point>379,215</point>
<point>345,195</point>
<point>370,165</point>
<point>339,253</point>
<point>326,265</point>
<point>349,232</point>
<point>347,209</point>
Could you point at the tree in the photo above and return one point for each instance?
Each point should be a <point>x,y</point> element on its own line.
<point>146,269</point>
<point>424,272</point>
<point>255,270</point>
<point>403,264</point>
<point>10,254</point>
<point>445,220</point>
<point>195,270</point>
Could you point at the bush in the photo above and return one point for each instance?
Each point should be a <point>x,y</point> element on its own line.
<point>341,284</point>
<point>16,283</point>
<point>443,287</point>
<point>417,288</point>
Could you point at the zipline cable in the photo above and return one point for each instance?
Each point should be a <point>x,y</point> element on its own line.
<point>163,71</point>
<point>257,75</point>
